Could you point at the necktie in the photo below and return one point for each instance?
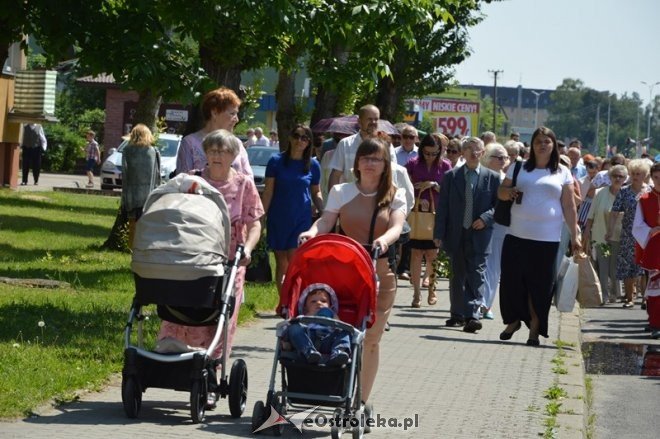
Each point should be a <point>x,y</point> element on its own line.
<point>469,190</point>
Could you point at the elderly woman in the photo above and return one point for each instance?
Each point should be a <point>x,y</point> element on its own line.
<point>606,245</point>
<point>245,209</point>
<point>292,185</point>
<point>497,159</point>
<point>453,153</point>
<point>625,203</point>
<point>371,199</point>
<point>544,198</point>
<point>426,172</point>
<point>141,174</point>
<point>220,112</point>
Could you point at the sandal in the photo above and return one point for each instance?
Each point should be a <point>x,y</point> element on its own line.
<point>628,305</point>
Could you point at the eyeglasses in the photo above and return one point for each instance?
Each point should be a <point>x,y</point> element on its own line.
<point>431,154</point>
<point>408,136</point>
<point>452,151</point>
<point>216,151</point>
<point>501,158</point>
<point>374,160</point>
<point>619,177</point>
<point>302,137</point>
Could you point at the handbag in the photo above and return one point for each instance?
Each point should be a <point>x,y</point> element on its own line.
<point>567,285</point>
<point>589,291</point>
<point>502,214</point>
<point>422,223</point>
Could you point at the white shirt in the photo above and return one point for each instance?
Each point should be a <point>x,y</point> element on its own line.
<point>345,192</point>
<point>539,216</point>
<point>344,156</point>
<point>261,141</point>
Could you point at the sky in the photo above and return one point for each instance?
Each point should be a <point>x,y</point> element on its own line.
<point>609,45</point>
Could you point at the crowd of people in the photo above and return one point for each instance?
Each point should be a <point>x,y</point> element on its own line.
<point>365,186</point>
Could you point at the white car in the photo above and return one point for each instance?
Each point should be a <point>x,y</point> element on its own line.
<point>167,144</point>
<point>258,157</point>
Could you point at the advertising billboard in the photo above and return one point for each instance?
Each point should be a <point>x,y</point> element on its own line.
<point>454,112</point>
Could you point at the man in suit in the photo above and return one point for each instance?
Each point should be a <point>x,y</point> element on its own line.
<point>463,227</point>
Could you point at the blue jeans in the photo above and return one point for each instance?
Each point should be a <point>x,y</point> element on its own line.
<point>322,338</point>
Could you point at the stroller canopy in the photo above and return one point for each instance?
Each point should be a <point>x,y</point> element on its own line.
<point>183,233</point>
<point>340,262</point>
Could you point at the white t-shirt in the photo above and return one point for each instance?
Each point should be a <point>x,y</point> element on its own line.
<point>345,192</point>
<point>344,156</point>
<point>539,216</point>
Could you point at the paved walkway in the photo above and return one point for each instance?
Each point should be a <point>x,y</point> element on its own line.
<point>456,385</point>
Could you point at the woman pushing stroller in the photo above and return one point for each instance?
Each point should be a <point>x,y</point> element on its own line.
<point>372,211</point>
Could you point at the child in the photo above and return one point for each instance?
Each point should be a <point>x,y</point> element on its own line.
<point>92,156</point>
<point>314,340</point>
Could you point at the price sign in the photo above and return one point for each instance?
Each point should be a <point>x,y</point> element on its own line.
<point>453,125</point>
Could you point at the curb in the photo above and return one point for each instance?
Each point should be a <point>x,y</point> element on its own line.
<point>572,419</point>
<point>74,190</point>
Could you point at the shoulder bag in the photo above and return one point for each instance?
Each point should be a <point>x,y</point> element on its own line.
<point>502,215</point>
<point>422,223</point>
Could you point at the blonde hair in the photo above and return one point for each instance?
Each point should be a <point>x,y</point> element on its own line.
<point>637,165</point>
<point>141,136</point>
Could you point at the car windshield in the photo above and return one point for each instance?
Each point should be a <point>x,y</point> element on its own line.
<point>167,147</point>
<point>260,156</point>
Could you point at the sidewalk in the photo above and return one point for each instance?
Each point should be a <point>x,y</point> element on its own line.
<point>459,385</point>
<point>64,182</point>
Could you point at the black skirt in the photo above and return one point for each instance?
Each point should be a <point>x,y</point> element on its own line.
<point>422,244</point>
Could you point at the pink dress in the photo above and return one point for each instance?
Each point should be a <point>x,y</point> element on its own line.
<point>245,207</point>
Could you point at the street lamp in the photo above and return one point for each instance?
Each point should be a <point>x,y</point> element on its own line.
<point>536,112</point>
<point>648,125</point>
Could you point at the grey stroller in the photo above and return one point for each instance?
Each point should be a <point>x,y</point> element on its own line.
<point>180,265</point>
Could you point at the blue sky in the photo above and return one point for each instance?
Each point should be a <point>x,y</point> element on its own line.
<point>609,45</point>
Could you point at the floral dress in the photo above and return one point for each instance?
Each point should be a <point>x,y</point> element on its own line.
<point>245,207</point>
<point>626,202</point>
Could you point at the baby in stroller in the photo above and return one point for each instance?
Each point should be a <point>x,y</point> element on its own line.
<point>316,341</point>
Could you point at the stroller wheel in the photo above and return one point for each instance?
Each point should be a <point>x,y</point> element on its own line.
<point>238,385</point>
<point>258,415</point>
<point>336,430</point>
<point>131,396</point>
<point>198,401</point>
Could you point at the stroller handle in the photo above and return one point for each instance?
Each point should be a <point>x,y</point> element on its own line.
<point>375,252</point>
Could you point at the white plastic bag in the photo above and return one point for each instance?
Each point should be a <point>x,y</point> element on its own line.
<point>567,285</point>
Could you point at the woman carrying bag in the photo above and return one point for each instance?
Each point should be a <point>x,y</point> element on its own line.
<point>426,172</point>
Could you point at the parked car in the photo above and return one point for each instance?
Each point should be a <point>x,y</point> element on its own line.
<point>258,157</point>
<point>167,144</point>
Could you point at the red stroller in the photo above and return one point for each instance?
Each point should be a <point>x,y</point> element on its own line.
<point>345,265</point>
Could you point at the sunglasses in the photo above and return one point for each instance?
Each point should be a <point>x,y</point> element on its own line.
<point>408,136</point>
<point>431,154</point>
<point>452,151</point>
<point>302,137</point>
<point>619,177</point>
<point>500,157</point>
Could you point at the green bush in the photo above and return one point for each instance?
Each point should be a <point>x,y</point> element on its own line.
<point>64,148</point>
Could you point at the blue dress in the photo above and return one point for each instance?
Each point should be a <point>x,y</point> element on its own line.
<point>290,211</point>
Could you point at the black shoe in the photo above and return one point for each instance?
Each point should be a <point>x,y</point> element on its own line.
<point>533,342</point>
<point>472,325</point>
<point>338,358</point>
<point>312,356</point>
<point>24,183</point>
<point>455,323</point>
<point>507,335</point>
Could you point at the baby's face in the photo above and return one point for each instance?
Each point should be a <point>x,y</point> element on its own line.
<point>316,300</point>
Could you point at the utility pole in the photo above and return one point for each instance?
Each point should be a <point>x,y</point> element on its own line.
<point>536,111</point>
<point>607,136</point>
<point>597,124</point>
<point>495,73</point>
<point>648,125</point>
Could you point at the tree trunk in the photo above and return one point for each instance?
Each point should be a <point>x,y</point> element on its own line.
<point>228,76</point>
<point>147,109</point>
<point>325,104</point>
<point>387,99</point>
<point>285,95</point>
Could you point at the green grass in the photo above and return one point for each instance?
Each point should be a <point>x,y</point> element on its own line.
<point>79,343</point>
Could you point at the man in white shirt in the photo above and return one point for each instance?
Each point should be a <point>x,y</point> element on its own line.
<point>344,155</point>
<point>408,149</point>
<point>260,139</point>
<point>250,138</point>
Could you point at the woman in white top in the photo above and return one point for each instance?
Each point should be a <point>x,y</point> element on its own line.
<point>355,205</point>
<point>595,232</point>
<point>544,197</point>
<point>497,159</point>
